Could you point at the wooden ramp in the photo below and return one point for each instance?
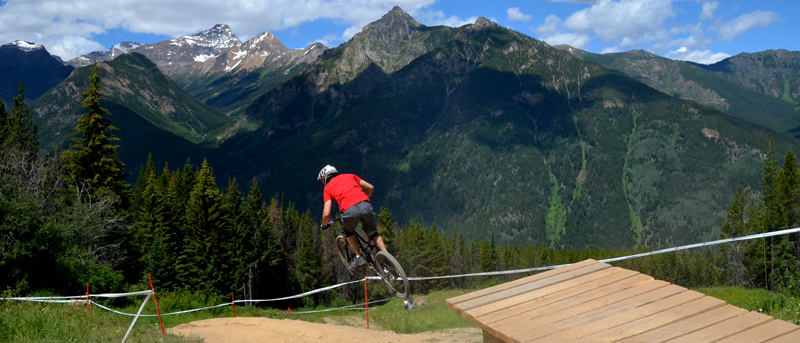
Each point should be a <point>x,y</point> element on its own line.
<point>596,302</point>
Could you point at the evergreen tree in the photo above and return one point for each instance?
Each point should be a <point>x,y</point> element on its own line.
<point>142,181</point>
<point>205,219</point>
<point>736,224</point>
<point>3,119</point>
<point>785,275</point>
<point>787,191</point>
<point>20,130</point>
<point>93,161</point>
<point>269,263</point>
<point>308,258</point>
<point>234,237</point>
<point>385,226</point>
<point>769,209</point>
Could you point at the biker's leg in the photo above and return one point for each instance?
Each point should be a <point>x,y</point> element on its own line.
<point>353,241</point>
<point>379,243</point>
<point>350,219</point>
<point>369,223</point>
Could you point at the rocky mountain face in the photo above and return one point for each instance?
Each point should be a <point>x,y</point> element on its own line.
<point>174,56</point>
<point>231,79</point>
<point>772,72</point>
<point>761,88</point>
<point>103,56</point>
<point>138,89</point>
<point>32,65</point>
<point>491,132</point>
<point>390,43</point>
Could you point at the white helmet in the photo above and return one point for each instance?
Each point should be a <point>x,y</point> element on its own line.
<point>326,173</point>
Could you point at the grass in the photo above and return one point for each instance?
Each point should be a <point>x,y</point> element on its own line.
<point>40,322</point>
<point>778,305</point>
<point>430,313</point>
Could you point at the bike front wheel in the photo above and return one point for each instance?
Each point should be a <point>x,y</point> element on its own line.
<point>392,274</point>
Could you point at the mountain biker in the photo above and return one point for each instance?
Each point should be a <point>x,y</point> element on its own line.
<point>351,193</point>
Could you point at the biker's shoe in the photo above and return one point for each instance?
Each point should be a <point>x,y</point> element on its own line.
<point>358,261</point>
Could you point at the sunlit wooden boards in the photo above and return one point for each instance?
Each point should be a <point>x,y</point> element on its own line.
<point>592,301</point>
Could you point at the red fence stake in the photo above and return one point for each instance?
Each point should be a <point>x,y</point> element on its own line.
<point>233,302</point>
<point>87,295</point>
<point>366,301</point>
<point>156,301</point>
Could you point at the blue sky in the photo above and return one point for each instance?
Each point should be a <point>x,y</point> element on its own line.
<point>703,31</point>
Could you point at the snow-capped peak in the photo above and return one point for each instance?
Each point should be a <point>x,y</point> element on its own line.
<point>126,46</point>
<point>218,37</point>
<point>26,46</point>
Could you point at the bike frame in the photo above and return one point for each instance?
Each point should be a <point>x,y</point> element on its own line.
<point>366,247</point>
<point>380,263</point>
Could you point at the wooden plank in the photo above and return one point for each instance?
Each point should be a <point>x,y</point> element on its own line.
<point>763,333</point>
<point>792,337</point>
<point>548,306</point>
<point>530,286</point>
<point>527,302</point>
<point>725,328</point>
<point>681,327</point>
<point>656,320</point>
<point>577,315</point>
<point>568,307</point>
<point>604,275</point>
<point>596,321</point>
<point>452,302</point>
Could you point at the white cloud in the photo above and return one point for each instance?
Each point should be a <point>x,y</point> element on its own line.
<point>69,26</point>
<point>514,14</point>
<point>574,40</point>
<point>624,19</point>
<point>698,56</point>
<point>708,9</point>
<point>576,1</point>
<point>552,25</point>
<point>746,22</point>
<point>436,18</point>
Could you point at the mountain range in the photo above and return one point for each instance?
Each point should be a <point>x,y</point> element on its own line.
<point>478,129</point>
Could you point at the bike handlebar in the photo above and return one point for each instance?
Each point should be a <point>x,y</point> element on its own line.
<point>324,227</point>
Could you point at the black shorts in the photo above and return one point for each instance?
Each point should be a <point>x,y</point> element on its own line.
<point>360,213</point>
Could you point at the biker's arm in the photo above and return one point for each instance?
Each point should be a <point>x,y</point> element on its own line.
<point>366,187</point>
<point>326,212</point>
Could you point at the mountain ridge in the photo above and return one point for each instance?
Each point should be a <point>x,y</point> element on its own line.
<point>493,132</point>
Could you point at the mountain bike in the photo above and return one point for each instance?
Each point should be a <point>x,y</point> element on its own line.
<point>379,262</point>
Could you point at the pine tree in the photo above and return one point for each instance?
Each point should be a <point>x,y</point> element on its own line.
<point>20,130</point>
<point>785,275</point>
<point>309,263</point>
<point>787,187</point>
<point>269,264</point>
<point>3,119</point>
<point>769,209</point>
<point>205,219</point>
<point>93,161</point>
<point>736,224</point>
<point>235,235</point>
<point>142,181</point>
<point>385,226</point>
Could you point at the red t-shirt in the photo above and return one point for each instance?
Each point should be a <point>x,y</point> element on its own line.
<point>344,189</point>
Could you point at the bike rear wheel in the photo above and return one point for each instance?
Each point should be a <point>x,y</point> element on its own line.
<point>392,274</point>
<point>346,254</point>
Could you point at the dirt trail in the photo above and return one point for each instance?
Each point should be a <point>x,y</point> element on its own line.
<point>259,329</point>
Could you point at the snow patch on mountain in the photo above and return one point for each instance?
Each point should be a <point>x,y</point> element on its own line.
<point>203,58</point>
<point>26,46</point>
